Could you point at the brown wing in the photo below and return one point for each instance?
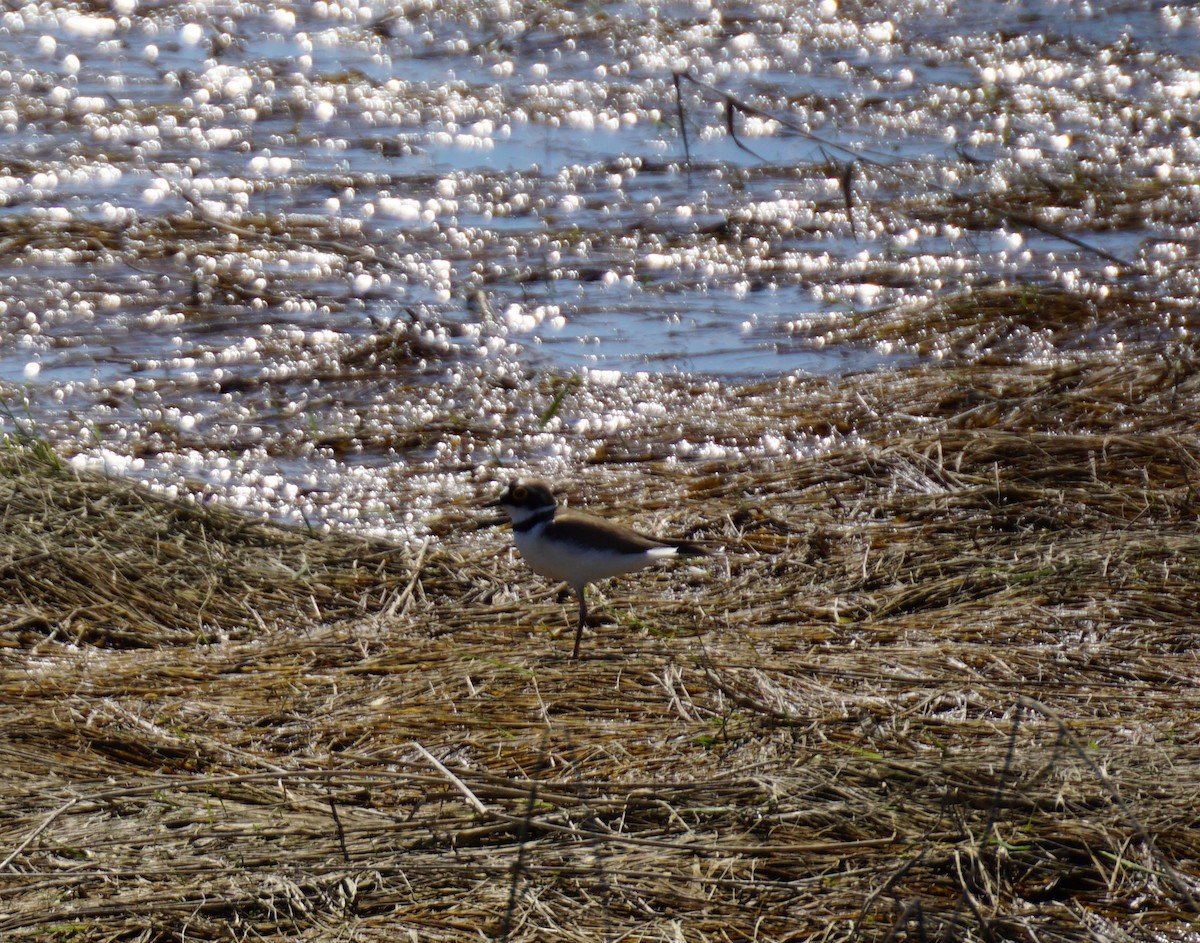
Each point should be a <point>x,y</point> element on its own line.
<point>586,530</point>
<point>685,549</point>
<point>580,528</point>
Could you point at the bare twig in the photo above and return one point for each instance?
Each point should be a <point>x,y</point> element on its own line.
<point>1019,220</point>
<point>42,826</point>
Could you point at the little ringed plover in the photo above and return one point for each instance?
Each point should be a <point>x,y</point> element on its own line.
<point>578,548</point>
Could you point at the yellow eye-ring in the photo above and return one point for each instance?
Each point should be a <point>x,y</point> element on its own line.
<point>520,493</point>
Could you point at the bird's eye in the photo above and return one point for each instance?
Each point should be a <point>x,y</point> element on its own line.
<point>520,494</point>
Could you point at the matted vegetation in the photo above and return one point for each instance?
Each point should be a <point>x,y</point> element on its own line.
<point>940,685</point>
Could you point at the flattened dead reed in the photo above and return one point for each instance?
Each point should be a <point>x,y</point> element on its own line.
<point>941,686</point>
<point>119,567</point>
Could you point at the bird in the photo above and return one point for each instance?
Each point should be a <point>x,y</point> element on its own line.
<point>577,548</point>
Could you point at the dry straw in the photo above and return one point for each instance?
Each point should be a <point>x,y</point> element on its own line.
<point>941,685</point>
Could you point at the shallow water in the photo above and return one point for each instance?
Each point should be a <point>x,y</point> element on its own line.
<point>293,256</point>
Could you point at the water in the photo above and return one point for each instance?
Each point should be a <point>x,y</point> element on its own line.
<point>300,257</point>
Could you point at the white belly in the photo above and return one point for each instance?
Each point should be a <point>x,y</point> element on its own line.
<point>576,565</point>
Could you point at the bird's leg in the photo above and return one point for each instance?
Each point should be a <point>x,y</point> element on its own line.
<point>582,620</point>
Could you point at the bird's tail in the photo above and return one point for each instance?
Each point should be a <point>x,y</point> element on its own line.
<point>685,549</point>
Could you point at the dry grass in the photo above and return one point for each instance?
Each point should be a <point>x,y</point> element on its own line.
<point>1005,322</point>
<point>941,685</point>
